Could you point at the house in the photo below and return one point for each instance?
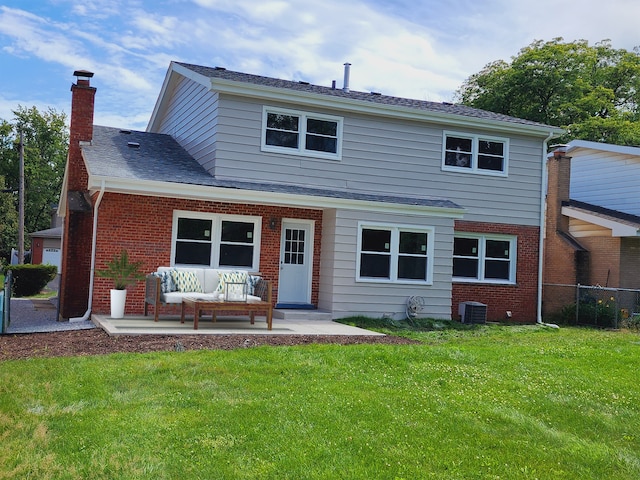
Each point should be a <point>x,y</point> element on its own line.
<point>593,221</point>
<point>46,244</point>
<point>350,202</point>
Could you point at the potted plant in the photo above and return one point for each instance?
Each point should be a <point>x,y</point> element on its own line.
<point>122,272</point>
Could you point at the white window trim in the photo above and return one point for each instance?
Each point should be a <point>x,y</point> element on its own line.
<point>301,150</point>
<point>474,154</point>
<point>216,233</point>
<point>395,239</point>
<point>513,244</point>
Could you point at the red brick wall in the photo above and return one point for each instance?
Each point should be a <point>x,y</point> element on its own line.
<point>521,298</point>
<point>630,263</point>
<point>604,267</point>
<point>76,264</point>
<point>143,226</point>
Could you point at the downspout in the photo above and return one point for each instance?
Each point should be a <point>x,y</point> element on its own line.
<point>94,241</point>
<point>543,223</point>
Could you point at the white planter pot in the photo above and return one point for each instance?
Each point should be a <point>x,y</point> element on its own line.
<point>118,298</point>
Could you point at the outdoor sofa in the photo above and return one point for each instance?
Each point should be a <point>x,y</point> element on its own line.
<point>170,285</point>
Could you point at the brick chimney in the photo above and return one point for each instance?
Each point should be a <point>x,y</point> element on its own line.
<point>81,127</point>
<point>78,221</point>
<point>559,177</point>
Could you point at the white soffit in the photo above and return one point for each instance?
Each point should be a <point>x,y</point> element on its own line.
<point>619,228</point>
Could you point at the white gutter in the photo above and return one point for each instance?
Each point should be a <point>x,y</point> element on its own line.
<point>93,257</point>
<point>543,222</point>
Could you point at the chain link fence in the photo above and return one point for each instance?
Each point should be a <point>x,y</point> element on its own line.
<point>591,305</point>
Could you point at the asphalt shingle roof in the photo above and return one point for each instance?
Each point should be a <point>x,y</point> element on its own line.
<point>144,156</point>
<point>439,107</point>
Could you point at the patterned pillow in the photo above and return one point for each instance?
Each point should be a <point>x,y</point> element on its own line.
<point>186,281</point>
<point>166,282</point>
<point>231,277</point>
<point>252,281</point>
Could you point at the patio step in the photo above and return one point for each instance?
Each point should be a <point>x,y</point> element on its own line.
<point>294,314</point>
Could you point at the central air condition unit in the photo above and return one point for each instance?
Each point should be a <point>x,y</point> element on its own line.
<point>472,312</point>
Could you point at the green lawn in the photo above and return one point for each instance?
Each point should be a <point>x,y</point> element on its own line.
<point>487,403</point>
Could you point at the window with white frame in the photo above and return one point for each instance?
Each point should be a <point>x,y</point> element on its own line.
<point>301,133</point>
<point>484,258</point>
<point>394,253</point>
<point>210,240</point>
<point>474,153</point>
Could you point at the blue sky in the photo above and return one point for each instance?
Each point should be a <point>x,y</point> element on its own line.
<point>421,49</point>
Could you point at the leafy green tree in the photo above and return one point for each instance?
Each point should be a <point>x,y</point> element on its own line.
<point>591,91</point>
<point>45,139</point>
<point>8,222</point>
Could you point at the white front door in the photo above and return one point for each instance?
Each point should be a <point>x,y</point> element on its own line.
<point>296,260</point>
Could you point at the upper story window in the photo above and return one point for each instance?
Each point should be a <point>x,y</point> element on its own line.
<point>475,153</point>
<point>300,133</point>
<point>209,240</point>
<point>395,253</point>
<point>484,258</point>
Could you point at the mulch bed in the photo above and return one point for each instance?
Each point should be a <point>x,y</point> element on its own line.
<point>98,342</point>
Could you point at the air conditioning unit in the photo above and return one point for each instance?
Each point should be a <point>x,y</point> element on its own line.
<point>472,312</point>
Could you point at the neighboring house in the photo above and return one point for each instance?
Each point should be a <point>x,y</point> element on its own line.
<point>593,224</point>
<point>350,202</point>
<point>45,246</point>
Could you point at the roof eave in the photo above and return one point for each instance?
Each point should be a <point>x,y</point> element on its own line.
<point>574,145</point>
<point>260,197</point>
<point>617,227</point>
<point>174,68</point>
<point>264,92</point>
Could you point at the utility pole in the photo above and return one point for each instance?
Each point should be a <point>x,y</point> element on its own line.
<point>21,206</point>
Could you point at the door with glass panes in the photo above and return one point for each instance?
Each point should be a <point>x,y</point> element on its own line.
<point>296,249</point>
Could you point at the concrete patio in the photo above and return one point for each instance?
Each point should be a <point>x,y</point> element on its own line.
<point>170,325</point>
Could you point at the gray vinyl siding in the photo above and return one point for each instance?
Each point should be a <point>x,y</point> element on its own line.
<point>391,156</point>
<point>341,294</point>
<point>192,118</point>
<point>380,155</point>
<point>606,179</point>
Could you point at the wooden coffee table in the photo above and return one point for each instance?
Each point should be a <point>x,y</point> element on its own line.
<point>199,305</point>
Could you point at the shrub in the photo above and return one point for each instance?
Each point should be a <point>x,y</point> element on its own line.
<point>31,279</point>
<point>632,322</point>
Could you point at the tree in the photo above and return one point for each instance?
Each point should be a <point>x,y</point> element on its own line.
<point>46,139</point>
<point>8,222</point>
<point>591,91</point>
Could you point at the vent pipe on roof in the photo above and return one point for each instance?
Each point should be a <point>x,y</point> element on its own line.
<point>347,71</point>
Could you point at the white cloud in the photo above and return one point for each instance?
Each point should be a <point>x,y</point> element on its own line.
<point>421,50</point>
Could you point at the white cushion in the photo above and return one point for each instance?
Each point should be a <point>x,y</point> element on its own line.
<point>176,297</point>
<point>210,283</point>
<point>210,280</point>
